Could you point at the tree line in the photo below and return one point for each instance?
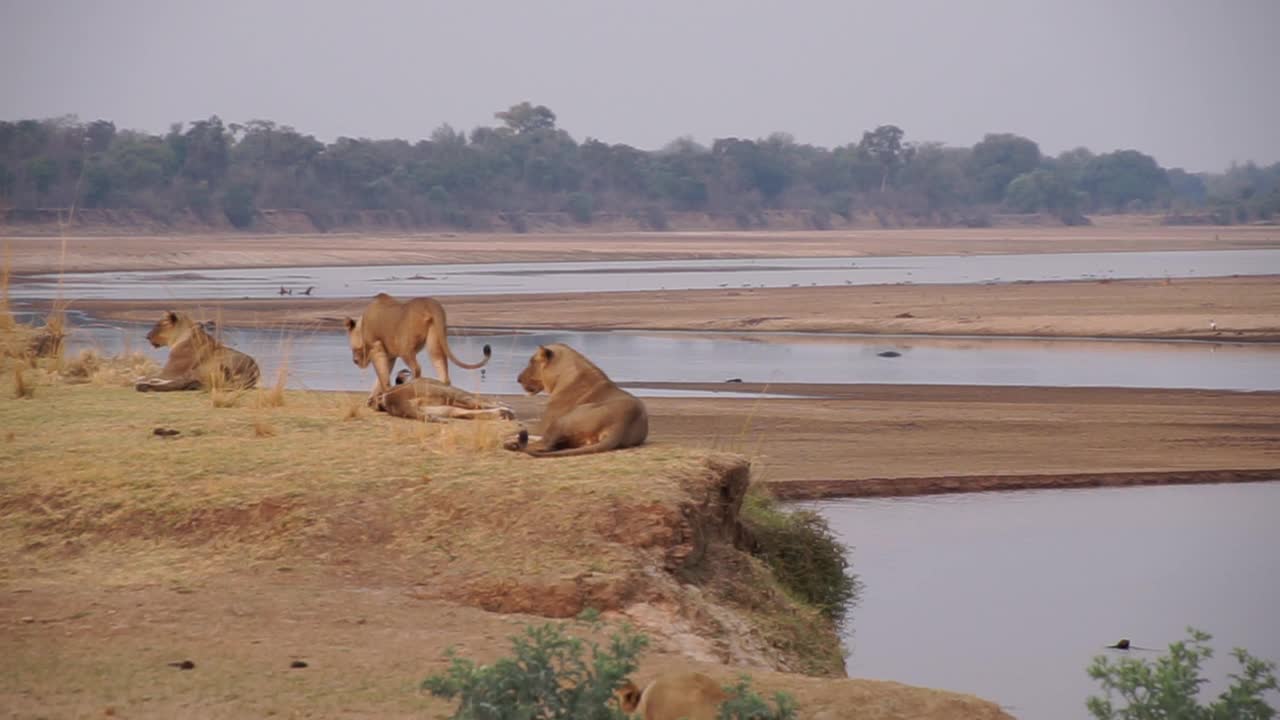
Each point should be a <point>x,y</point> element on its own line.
<point>526,164</point>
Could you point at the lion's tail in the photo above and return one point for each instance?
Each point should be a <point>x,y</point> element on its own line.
<point>440,325</point>
<point>488,352</point>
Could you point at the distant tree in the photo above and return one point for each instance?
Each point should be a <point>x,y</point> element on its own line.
<point>997,160</point>
<point>206,151</point>
<point>579,207</point>
<point>237,203</point>
<point>1115,180</point>
<point>1186,188</point>
<point>41,173</point>
<point>884,145</point>
<point>526,117</point>
<point>100,133</point>
<point>526,164</point>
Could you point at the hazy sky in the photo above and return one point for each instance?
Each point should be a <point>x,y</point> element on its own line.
<point>1192,83</point>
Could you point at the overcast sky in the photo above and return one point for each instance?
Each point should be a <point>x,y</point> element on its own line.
<point>1192,83</point>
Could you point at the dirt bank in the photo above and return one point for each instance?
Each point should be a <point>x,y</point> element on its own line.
<point>310,529</point>
<point>189,251</point>
<point>1242,309</point>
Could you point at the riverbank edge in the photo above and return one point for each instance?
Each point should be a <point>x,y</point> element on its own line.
<point>311,315</point>
<point>954,484</point>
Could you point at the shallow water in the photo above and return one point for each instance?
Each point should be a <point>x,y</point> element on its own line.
<point>606,276</point>
<point>322,361</point>
<point>1010,595</point>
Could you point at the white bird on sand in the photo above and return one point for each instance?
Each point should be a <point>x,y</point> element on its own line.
<point>1213,325</point>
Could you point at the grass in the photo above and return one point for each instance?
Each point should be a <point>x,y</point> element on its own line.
<point>294,482</point>
<point>308,478</point>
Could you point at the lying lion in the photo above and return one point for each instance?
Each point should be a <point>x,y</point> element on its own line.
<point>433,401</point>
<point>586,413</point>
<point>689,695</point>
<point>196,359</point>
<point>403,329</point>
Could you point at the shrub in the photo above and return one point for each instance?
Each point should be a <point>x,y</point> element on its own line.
<point>745,704</point>
<point>548,679</point>
<point>1168,687</point>
<point>803,553</point>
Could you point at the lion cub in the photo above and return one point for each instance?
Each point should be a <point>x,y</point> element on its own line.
<point>586,413</point>
<point>689,695</point>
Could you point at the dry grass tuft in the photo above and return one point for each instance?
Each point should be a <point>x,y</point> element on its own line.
<point>467,437</point>
<point>119,371</point>
<point>7,321</point>
<point>262,428</point>
<point>220,397</point>
<point>352,406</point>
<point>273,396</point>
<point>22,388</point>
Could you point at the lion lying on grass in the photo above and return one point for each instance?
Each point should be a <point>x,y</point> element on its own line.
<point>196,359</point>
<point>586,413</point>
<point>432,401</point>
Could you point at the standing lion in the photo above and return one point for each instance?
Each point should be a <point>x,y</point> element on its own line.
<point>403,329</point>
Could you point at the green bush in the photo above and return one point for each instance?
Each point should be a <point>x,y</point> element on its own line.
<point>547,679</point>
<point>803,553</point>
<point>745,704</point>
<point>1168,687</point>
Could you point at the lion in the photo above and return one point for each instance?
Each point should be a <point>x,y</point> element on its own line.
<point>586,413</point>
<point>196,359</point>
<point>690,695</point>
<point>433,401</point>
<point>403,329</point>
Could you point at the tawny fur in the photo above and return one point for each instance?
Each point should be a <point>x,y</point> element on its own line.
<point>431,400</point>
<point>688,695</point>
<point>196,358</point>
<point>403,329</point>
<point>586,412</point>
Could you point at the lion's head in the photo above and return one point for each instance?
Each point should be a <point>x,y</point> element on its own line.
<point>359,350</point>
<point>628,697</point>
<point>168,329</point>
<point>532,377</point>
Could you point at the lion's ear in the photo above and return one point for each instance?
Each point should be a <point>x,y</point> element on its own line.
<point>351,324</point>
<point>171,316</point>
<point>545,352</point>
<point>629,697</point>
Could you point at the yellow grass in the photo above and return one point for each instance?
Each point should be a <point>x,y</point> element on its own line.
<point>311,477</point>
<point>7,321</point>
<point>263,427</point>
<point>21,387</point>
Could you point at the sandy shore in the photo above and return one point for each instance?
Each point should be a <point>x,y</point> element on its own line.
<point>877,440</point>
<point>30,254</point>
<point>1243,309</point>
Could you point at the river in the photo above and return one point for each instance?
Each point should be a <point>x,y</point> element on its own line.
<point>322,361</point>
<point>608,276</point>
<point>1010,595</point>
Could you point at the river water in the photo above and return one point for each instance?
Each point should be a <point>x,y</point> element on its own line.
<point>1010,595</point>
<point>607,276</point>
<point>322,360</point>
